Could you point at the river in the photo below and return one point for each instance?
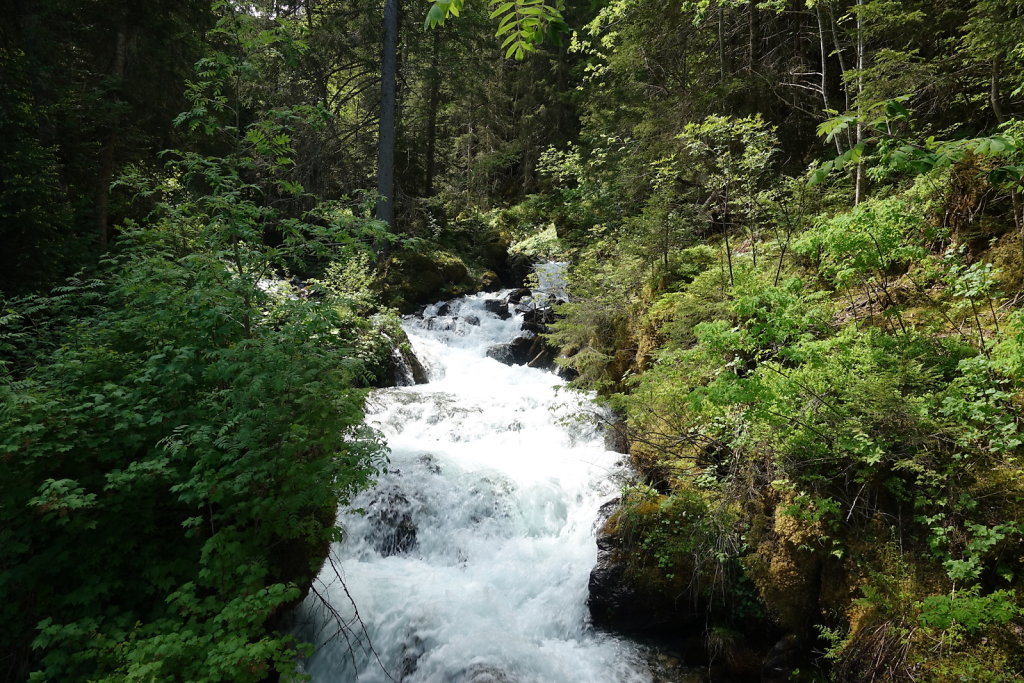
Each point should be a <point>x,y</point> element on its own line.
<point>469,559</point>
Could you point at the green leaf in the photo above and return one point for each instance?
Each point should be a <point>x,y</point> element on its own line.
<point>501,9</point>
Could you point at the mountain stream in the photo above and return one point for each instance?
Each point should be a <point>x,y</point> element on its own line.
<point>468,561</point>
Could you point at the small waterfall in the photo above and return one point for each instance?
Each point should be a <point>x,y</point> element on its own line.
<point>403,376</point>
<point>469,559</point>
<point>551,278</point>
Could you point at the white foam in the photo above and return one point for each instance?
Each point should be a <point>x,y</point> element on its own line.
<point>503,495</point>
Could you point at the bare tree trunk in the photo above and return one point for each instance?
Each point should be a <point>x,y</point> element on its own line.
<point>433,101</point>
<point>993,94</point>
<point>859,179</point>
<point>842,62</point>
<point>721,42</point>
<point>388,120</point>
<point>824,69</point>
<point>751,35</point>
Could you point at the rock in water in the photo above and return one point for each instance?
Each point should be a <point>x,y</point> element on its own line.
<point>616,601</point>
<point>501,353</point>
<point>517,295</point>
<point>498,308</point>
<point>528,349</point>
<point>481,673</point>
<point>394,532</point>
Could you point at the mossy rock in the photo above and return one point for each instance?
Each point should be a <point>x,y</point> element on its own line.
<point>493,251</point>
<point>416,278</point>
<point>630,593</point>
<point>490,282</point>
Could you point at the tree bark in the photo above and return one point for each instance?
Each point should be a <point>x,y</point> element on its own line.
<point>752,35</point>
<point>859,180</point>
<point>388,119</point>
<point>993,95</point>
<point>433,101</point>
<point>824,69</point>
<point>721,43</point>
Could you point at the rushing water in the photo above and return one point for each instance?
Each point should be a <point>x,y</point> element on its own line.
<point>471,557</point>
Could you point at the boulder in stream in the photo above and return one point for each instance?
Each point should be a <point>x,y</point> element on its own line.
<point>517,295</point>
<point>498,308</point>
<point>544,315</point>
<point>527,349</point>
<point>617,600</point>
<point>394,532</point>
<point>481,673</point>
<point>402,368</point>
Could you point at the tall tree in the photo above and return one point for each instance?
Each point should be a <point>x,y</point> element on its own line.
<point>388,116</point>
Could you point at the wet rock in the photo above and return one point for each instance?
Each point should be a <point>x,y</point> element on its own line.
<point>535,328</point>
<point>568,374</point>
<point>524,348</point>
<point>429,463</point>
<point>403,368</point>
<point>616,438</point>
<point>613,601</point>
<point>414,366</point>
<point>501,353</point>
<point>412,650</point>
<point>441,324</point>
<point>782,659</point>
<point>394,532</point>
<point>617,601</point>
<point>528,349</point>
<point>443,308</point>
<point>498,308</point>
<point>523,308</point>
<point>482,673</point>
<point>471,320</point>
<point>517,295</point>
<point>606,540</point>
<point>539,316</point>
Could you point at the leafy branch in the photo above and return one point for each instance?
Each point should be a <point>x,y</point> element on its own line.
<point>524,24</point>
<point>900,152</point>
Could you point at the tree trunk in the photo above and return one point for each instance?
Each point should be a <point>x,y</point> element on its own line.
<point>433,101</point>
<point>993,95</point>
<point>752,35</point>
<point>388,120</point>
<point>824,69</point>
<point>859,180</point>
<point>721,43</point>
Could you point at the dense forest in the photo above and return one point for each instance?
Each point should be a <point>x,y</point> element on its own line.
<point>795,231</point>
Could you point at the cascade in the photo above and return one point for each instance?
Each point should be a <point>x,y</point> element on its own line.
<point>469,558</point>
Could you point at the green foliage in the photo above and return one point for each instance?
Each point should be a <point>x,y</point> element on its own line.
<point>183,400</point>
<point>902,152</point>
<point>968,610</point>
<point>522,24</point>
<point>542,246</point>
<point>235,413</point>
<point>874,240</point>
<point>682,542</point>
